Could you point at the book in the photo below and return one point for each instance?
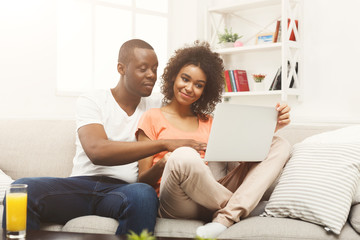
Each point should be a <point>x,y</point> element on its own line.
<point>292,79</point>
<point>227,80</point>
<point>276,84</point>
<point>241,79</point>
<point>225,85</point>
<point>277,29</point>
<point>276,79</point>
<point>292,35</point>
<point>232,80</point>
<point>236,82</point>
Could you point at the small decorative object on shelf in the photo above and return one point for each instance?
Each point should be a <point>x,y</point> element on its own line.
<point>227,39</point>
<point>264,38</point>
<point>259,85</point>
<point>258,77</point>
<point>238,44</point>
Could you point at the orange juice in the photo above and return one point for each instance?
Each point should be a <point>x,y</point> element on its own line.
<point>16,204</point>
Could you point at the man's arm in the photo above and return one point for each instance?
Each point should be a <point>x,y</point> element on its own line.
<point>147,172</point>
<point>102,151</point>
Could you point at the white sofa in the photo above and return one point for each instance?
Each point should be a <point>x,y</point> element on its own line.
<point>33,148</point>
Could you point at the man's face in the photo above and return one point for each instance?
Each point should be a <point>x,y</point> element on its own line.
<point>140,73</point>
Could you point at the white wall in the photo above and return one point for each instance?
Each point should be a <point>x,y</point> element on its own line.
<point>331,49</point>
<point>331,53</point>
<point>28,61</point>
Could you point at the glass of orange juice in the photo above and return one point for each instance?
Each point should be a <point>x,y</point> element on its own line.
<point>16,204</point>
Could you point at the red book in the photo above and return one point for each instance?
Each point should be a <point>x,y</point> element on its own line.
<point>241,77</point>
<point>292,35</point>
<point>227,80</point>
<point>276,34</point>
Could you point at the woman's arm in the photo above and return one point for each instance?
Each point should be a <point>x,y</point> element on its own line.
<point>283,116</point>
<point>147,173</point>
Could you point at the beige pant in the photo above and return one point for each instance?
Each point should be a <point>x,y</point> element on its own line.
<point>188,189</point>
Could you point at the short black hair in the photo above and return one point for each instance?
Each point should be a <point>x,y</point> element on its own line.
<point>127,49</point>
<point>200,55</point>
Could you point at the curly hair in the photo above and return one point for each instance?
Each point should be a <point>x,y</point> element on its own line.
<point>210,63</point>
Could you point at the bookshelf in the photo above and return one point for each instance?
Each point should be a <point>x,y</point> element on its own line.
<point>250,18</point>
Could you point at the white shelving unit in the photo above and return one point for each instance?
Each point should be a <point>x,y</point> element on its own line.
<point>287,51</point>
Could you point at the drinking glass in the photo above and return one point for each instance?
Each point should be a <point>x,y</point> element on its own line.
<point>16,205</point>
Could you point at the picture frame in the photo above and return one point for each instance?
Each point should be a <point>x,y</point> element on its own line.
<point>264,38</point>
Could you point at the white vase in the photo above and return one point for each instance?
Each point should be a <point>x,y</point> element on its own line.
<point>259,86</point>
<point>227,44</point>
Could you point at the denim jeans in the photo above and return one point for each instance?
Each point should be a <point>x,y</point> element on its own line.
<point>58,200</point>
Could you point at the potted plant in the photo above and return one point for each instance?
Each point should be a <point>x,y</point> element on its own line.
<point>258,85</point>
<point>144,235</point>
<point>228,38</point>
<point>258,77</point>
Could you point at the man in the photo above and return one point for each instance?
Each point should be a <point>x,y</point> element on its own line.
<point>105,165</point>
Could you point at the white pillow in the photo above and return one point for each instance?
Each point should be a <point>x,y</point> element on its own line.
<point>317,184</point>
<point>349,134</point>
<point>5,181</point>
<point>342,135</point>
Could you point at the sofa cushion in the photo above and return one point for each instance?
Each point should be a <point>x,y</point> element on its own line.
<point>5,182</point>
<point>51,227</point>
<point>91,224</point>
<point>354,217</point>
<point>262,228</point>
<point>182,228</point>
<point>350,134</point>
<point>318,184</point>
<point>38,148</point>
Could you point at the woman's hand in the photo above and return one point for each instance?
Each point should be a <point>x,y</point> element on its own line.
<point>283,115</point>
<point>162,162</point>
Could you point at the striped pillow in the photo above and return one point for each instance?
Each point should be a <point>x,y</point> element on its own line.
<point>318,184</point>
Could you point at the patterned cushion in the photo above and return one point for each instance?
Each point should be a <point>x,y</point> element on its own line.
<point>342,135</point>
<point>318,184</point>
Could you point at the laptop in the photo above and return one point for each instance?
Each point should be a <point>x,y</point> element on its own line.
<point>241,133</point>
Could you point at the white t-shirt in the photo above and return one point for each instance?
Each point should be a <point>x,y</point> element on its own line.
<point>100,107</point>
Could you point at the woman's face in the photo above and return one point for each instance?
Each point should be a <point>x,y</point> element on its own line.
<point>189,84</point>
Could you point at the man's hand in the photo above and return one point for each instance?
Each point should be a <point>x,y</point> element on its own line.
<point>172,144</point>
<point>283,115</point>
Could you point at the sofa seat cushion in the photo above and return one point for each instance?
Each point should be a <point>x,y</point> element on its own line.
<point>51,227</point>
<point>187,228</point>
<point>263,228</point>
<point>181,228</point>
<point>91,224</point>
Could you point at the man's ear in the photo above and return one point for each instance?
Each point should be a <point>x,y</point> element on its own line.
<point>121,68</point>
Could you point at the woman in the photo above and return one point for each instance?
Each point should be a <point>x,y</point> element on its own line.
<point>192,86</point>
